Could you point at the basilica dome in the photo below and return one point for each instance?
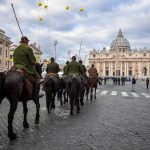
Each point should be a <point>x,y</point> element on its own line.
<point>120,44</point>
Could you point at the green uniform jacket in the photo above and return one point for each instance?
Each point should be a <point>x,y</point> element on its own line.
<point>74,68</point>
<point>52,67</point>
<point>24,58</point>
<point>83,70</point>
<point>65,70</point>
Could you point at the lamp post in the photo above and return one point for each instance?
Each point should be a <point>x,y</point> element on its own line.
<point>55,44</point>
<point>80,49</point>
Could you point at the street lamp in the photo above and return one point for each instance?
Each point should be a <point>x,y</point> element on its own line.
<point>55,44</point>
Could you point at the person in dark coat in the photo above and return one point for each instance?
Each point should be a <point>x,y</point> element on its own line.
<point>147,83</point>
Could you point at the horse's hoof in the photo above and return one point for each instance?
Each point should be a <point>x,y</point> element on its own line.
<point>36,121</point>
<point>25,125</point>
<point>53,106</point>
<point>82,104</point>
<point>71,113</point>
<point>12,136</point>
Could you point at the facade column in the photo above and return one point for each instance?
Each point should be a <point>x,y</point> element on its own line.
<point>127,68</point>
<point>140,68</point>
<point>104,69</point>
<point>121,68</point>
<point>110,69</point>
<point>147,66</point>
<point>133,68</point>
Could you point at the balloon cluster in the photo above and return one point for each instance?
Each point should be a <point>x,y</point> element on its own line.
<point>40,5</point>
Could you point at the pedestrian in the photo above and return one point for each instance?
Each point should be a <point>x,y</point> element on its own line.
<point>133,84</point>
<point>105,79</point>
<point>147,83</point>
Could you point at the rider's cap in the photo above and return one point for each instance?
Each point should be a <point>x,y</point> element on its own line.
<point>73,57</point>
<point>24,39</point>
<point>52,58</point>
<point>80,61</point>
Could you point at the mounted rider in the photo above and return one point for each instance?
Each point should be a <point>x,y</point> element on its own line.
<point>24,61</point>
<point>74,68</point>
<point>53,67</point>
<point>52,70</point>
<point>65,69</point>
<point>83,69</point>
<point>92,71</point>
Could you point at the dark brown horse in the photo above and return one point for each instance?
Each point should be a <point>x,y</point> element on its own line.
<point>51,88</point>
<point>92,85</point>
<point>74,85</point>
<point>17,86</point>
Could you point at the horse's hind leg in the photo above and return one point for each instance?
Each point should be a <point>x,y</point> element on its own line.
<point>13,107</point>
<point>91,94</point>
<point>78,105</point>
<point>37,110</point>
<point>25,111</point>
<point>87,93</point>
<point>95,94</point>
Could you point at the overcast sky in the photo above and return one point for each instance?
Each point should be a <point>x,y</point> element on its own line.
<point>96,26</point>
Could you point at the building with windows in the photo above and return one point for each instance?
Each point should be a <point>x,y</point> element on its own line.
<point>5,43</point>
<point>121,60</point>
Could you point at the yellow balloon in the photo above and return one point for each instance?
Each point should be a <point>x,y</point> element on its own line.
<point>41,18</point>
<point>81,9</point>
<point>45,6</point>
<point>67,7</point>
<point>40,3</point>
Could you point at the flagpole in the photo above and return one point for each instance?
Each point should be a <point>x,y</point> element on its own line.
<point>17,19</point>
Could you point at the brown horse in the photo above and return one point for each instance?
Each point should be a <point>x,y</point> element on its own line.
<point>51,88</point>
<point>16,86</point>
<point>74,85</point>
<point>92,84</point>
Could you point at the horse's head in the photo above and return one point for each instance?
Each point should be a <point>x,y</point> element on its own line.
<point>38,67</point>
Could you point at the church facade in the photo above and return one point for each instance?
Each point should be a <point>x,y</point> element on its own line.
<point>121,60</point>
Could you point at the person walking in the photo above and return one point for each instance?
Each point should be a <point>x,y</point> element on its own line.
<point>133,83</point>
<point>147,83</point>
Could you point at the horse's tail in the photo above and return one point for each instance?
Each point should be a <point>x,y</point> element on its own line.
<point>50,85</point>
<point>2,90</point>
<point>74,87</point>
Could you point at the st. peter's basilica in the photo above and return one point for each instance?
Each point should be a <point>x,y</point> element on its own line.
<point>121,60</point>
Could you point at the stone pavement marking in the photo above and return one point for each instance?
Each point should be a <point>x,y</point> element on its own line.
<point>145,94</point>
<point>114,93</point>
<point>104,92</point>
<point>134,94</point>
<point>124,94</point>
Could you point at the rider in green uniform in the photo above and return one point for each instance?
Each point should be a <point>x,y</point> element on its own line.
<point>74,68</point>
<point>83,69</point>
<point>25,60</point>
<point>65,69</point>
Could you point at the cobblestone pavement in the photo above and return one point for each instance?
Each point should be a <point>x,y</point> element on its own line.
<point>111,122</point>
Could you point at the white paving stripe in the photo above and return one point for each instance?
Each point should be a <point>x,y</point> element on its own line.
<point>145,94</point>
<point>124,94</point>
<point>104,92</point>
<point>114,93</point>
<point>134,94</point>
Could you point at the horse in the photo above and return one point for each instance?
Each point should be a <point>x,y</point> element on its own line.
<point>85,89</point>
<point>74,85</point>
<point>92,84</point>
<point>51,88</point>
<point>17,86</point>
<point>38,67</point>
